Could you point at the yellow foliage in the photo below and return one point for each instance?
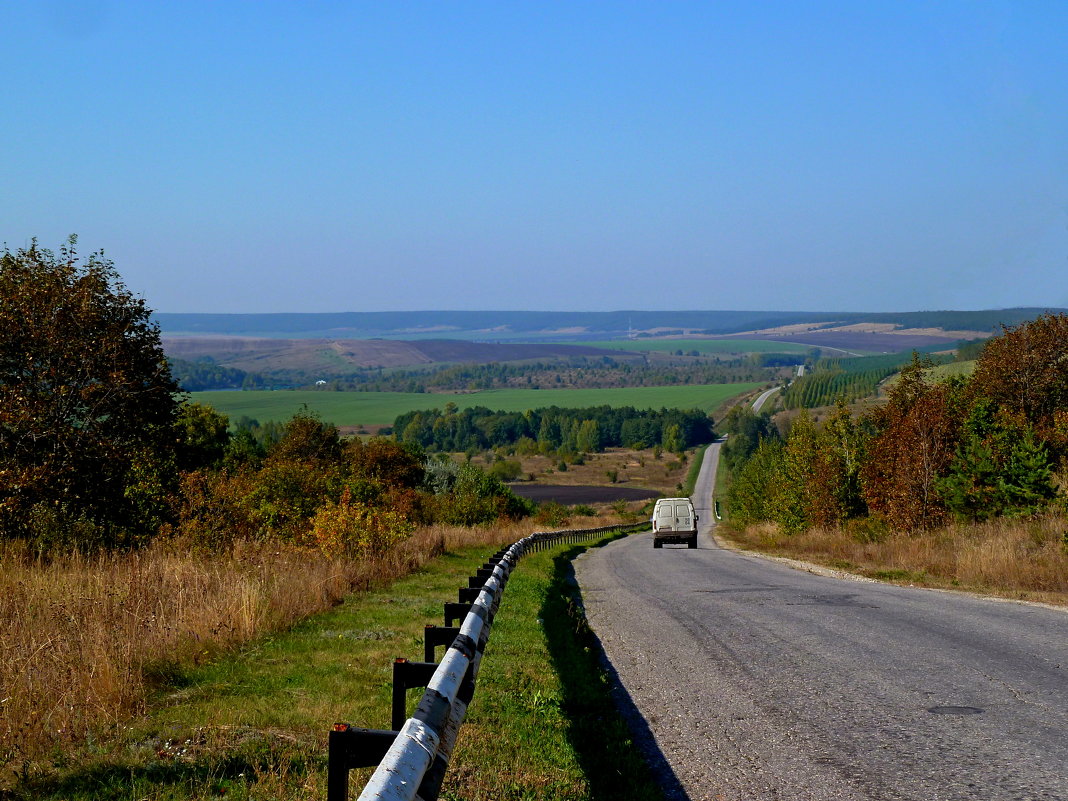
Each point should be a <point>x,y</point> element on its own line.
<point>353,527</point>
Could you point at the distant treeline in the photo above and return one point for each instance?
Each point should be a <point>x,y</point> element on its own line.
<point>554,429</point>
<point>572,373</point>
<point>576,373</point>
<point>205,374</point>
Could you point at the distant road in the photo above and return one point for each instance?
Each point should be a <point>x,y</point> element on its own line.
<point>757,681</point>
<point>762,399</point>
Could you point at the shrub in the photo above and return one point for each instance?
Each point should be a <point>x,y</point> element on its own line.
<point>352,527</point>
<point>506,470</point>
<point>552,514</point>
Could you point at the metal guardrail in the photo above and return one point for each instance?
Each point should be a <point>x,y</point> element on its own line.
<point>412,758</point>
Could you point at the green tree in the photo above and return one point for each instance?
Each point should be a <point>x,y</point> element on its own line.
<point>792,485</point>
<point>87,402</point>
<point>750,489</point>
<point>672,440</point>
<point>203,436</point>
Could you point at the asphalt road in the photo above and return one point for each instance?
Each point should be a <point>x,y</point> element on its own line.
<point>764,397</point>
<point>748,679</point>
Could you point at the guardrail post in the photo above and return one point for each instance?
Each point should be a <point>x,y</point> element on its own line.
<point>407,675</point>
<point>348,748</point>
<point>456,611</point>
<point>434,636</point>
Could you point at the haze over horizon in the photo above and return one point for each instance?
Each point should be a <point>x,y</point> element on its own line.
<point>322,157</point>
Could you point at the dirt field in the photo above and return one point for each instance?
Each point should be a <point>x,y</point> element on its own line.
<point>633,469</point>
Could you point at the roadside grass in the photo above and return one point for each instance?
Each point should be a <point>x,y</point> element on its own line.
<point>696,458</point>
<point>254,724</point>
<point>1019,559</point>
<point>543,724</point>
<point>86,641</point>
<point>382,408</point>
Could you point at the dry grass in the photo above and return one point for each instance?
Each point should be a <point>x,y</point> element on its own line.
<point>633,468</point>
<point>85,639</point>
<point>1021,559</point>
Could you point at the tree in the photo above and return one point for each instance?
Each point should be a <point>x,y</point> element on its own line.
<point>87,402</point>
<point>203,436</point>
<point>915,439</point>
<point>791,489</point>
<point>1025,371</point>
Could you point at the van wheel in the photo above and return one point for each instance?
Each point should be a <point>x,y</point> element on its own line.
<point>693,542</point>
<point>657,543</point>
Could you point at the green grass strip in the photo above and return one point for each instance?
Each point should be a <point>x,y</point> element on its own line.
<point>695,468</point>
<point>254,725</point>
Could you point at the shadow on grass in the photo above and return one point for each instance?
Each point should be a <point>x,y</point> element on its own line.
<point>233,773</point>
<point>614,744</point>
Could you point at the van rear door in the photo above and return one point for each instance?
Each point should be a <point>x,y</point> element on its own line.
<point>683,522</point>
<point>665,516</point>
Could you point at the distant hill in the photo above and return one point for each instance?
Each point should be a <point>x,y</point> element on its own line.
<point>502,326</point>
<point>331,357</point>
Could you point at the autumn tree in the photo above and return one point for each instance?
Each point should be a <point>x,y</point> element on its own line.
<point>915,439</point>
<point>87,402</point>
<point>1025,371</point>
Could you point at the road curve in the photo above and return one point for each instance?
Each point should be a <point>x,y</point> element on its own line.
<point>762,399</point>
<point>758,681</point>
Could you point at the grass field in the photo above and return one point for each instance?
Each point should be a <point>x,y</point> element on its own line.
<point>702,346</point>
<point>382,408</point>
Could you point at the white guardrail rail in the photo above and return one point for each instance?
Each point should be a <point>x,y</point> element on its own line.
<point>412,757</point>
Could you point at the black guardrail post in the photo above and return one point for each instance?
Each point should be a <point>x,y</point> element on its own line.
<point>407,675</point>
<point>434,636</point>
<point>349,748</point>
<point>455,612</point>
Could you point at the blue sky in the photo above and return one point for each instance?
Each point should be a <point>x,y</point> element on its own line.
<point>330,156</point>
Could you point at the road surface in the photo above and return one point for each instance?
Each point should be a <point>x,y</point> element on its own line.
<point>747,679</point>
<point>763,397</point>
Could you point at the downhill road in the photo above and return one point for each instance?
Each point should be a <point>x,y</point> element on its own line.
<point>748,679</point>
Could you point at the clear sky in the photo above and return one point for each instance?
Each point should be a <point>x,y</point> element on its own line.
<point>333,156</point>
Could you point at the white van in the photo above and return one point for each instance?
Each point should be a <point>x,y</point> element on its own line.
<point>674,520</point>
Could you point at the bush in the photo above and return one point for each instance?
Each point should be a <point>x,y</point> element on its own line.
<point>506,470</point>
<point>552,514</point>
<point>352,527</point>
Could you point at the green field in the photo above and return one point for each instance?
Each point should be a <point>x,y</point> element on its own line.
<point>702,346</point>
<point>382,408</point>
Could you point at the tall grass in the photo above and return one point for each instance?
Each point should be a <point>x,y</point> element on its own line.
<point>84,640</point>
<point>1023,559</point>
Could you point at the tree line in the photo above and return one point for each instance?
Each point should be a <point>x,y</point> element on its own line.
<point>966,448</point>
<point>553,429</point>
<point>581,372</point>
